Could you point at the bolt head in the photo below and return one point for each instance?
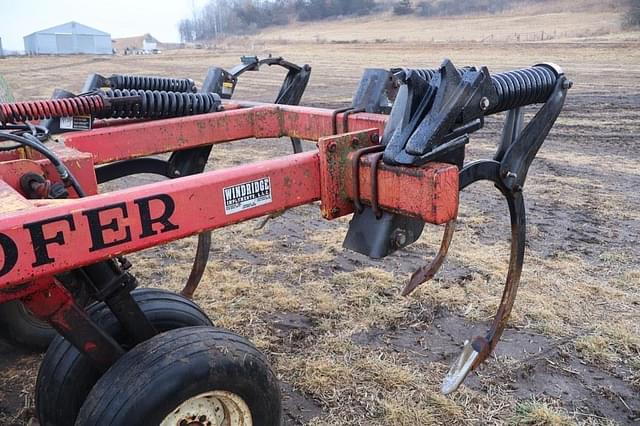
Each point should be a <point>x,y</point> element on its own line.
<point>400,238</point>
<point>484,103</point>
<point>375,138</point>
<point>332,147</point>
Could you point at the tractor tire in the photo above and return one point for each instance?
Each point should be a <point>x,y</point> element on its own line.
<point>195,375</point>
<point>22,329</point>
<point>66,376</point>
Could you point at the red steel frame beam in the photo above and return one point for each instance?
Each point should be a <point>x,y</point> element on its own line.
<point>48,240</point>
<point>38,240</point>
<point>110,144</point>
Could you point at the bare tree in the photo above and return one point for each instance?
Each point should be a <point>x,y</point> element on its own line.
<point>222,17</point>
<point>633,17</point>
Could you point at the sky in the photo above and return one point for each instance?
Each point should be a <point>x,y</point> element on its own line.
<point>120,18</point>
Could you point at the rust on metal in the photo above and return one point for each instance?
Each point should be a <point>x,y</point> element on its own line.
<point>374,161</point>
<point>355,172</point>
<point>335,163</point>
<point>428,192</point>
<point>345,118</point>
<point>135,140</point>
<point>199,265</point>
<point>79,163</point>
<point>427,272</point>
<point>103,226</point>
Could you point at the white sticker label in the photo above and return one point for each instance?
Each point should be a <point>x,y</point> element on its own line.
<point>246,196</point>
<point>75,123</point>
<point>66,123</point>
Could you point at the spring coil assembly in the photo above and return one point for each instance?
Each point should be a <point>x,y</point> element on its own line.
<point>514,89</point>
<point>424,73</point>
<point>18,112</point>
<point>522,87</point>
<point>161,104</point>
<point>141,82</point>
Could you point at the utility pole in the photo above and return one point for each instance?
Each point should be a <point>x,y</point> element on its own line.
<point>1,51</point>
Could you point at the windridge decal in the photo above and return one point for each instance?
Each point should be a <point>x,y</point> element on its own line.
<point>247,195</point>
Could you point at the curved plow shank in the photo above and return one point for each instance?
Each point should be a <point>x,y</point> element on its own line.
<point>429,271</point>
<point>453,104</point>
<point>199,265</point>
<point>478,349</point>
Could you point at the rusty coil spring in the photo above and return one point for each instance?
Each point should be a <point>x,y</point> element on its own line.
<point>514,89</point>
<point>141,82</point>
<point>159,104</point>
<point>18,112</point>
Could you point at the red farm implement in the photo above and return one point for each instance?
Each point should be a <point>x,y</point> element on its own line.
<point>394,160</point>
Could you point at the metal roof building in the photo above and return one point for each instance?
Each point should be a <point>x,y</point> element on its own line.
<point>69,38</point>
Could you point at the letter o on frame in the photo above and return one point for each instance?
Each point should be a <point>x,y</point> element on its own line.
<point>10,251</point>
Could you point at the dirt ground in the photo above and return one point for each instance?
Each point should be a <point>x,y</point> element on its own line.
<point>347,347</point>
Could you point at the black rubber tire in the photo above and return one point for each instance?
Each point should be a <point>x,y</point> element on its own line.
<point>21,328</point>
<point>153,379</point>
<point>66,376</point>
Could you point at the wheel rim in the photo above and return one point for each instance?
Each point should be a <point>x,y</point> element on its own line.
<point>216,408</point>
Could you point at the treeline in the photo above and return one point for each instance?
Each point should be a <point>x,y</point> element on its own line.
<point>224,17</point>
<point>632,19</point>
<point>452,7</point>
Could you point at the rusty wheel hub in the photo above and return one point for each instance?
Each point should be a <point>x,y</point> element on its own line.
<point>215,408</point>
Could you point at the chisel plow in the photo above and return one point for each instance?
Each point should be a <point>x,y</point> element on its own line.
<point>394,160</point>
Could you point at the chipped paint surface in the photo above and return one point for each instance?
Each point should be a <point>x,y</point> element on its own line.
<point>134,140</point>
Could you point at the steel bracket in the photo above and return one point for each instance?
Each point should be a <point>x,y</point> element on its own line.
<point>335,165</point>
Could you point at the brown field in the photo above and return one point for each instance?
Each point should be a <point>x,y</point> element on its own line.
<point>347,348</point>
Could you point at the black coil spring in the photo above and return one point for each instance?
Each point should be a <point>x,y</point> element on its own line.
<point>514,89</point>
<point>161,104</point>
<point>522,87</point>
<point>141,82</point>
<point>425,73</point>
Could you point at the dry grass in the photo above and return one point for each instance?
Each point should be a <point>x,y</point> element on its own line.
<point>557,20</point>
<point>536,413</point>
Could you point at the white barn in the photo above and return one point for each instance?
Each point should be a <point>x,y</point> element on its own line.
<point>69,38</point>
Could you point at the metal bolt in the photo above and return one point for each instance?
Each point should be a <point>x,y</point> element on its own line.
<point>355,142</point>
<point>400,238</point>
<point>176,172</point>
<point>511,175</point>
<point>332,147</point>
<point>375,138</point>
<point>484,103</point>
<point>335,211</point>
<point>567,84</point>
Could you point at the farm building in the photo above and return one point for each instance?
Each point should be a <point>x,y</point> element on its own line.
<point>143,43</point>
<point>69,38</point>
